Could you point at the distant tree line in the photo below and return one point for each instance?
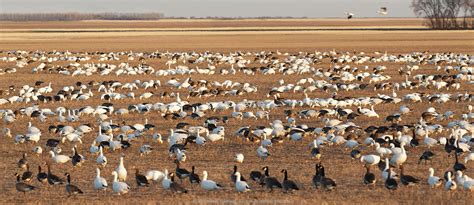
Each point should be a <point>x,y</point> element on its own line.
<point>446,14</point>
<point>73,16</point>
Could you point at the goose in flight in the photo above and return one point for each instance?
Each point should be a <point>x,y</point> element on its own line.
<point>349,15</point>
<point>382,11</point>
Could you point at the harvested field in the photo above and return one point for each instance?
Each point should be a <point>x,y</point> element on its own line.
<point>326,52</point>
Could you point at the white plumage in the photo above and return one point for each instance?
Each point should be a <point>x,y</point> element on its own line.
<point>59,158</point>
<point>121,171</point>
<point>207,184</point>
<point>99,182</point>
<point>240,186</point>
<point>119,187</point>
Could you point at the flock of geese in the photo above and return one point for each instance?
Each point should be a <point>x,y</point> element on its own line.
<point>204,111</point>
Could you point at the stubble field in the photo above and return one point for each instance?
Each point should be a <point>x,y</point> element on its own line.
<point>290,36</point>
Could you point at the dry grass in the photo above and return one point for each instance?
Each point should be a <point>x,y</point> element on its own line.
<point>216,158</point>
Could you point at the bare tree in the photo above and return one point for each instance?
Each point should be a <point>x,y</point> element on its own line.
<point>445,14</point>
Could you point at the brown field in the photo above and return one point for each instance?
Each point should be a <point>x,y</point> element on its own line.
<point>217,158</point>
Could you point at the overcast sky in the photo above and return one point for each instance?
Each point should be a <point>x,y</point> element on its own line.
<point>227,8</point>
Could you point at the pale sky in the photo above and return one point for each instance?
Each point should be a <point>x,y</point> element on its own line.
<point>223,8</point>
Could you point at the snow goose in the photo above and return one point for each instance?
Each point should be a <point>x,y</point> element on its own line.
<point>433,181</point>
<point>119,187</point>
<point>407,180</point>
<point>266,142</point>
<point>166,183</point>
<point>468,183</point>
<point>207,184</point>
<point>382,151</point>
<point>349,15</point>
<point>145,149</point>
<point>99,182</point>
<point>385,172</point>
<point>399,158</point>
<point>180,155</point>
<point>215,136</point>
<point>200,140</point>
<point>101,159</point>
<point>288,185</point>
<point>450,184</point>
<point>155,175</point>
<point>428,141</point>
<point>270,182</point>
<point>370,160</point>
<point>262,152</point>
<point>22,186</point>
<point>469,157</point>
<point>240,186</point>
<point>59,158</point>
<point>70,188</point>
<point>239,158</point>
<point>37,150</point>
<point>120,171</point>
<point>315,151</point>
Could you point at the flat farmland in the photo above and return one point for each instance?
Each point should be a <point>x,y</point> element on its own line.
<point>327,38</point>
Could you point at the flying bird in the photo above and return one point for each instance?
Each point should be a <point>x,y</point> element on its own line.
<point>349,15</point>
<point>383,11</point>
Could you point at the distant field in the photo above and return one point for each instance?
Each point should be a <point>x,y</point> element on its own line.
<point>232,35</point>
<point>205,23</point>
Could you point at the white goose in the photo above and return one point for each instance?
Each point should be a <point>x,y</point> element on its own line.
<point>382,151</point>
<point>99,182</point>
<point>239,158</point>
<point>469,157</point>
<point>207,184</point>
<point>101,159</point>
<point>399,158</point>
<point>266,142</point>
<point>262,152</point>
<point>119,187</point>
<point>385,172</point>
<point>370,160</point>
<point>450,184</point>
<point>429,141</point>
<point>240,186</point>
<point>59,158</point>
<point>468,183</point>
<point>121,171</point>
<point>166,182</point>
<point>155,175</point>
<point>94,148</point>
<point>433,181</point>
